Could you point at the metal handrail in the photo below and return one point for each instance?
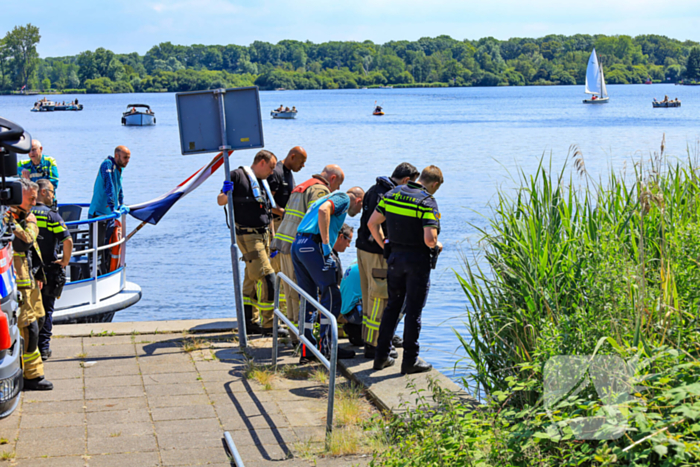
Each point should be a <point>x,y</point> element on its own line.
<point>330,365</point>
<point>232,449</point>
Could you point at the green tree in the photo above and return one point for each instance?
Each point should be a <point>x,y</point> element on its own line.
<point>692,68</point>
<point>21,45</point>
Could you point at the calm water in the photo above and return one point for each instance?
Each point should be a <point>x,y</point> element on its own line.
<point>476,135</point>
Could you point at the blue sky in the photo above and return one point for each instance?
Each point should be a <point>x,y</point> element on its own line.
<point>126,26</point>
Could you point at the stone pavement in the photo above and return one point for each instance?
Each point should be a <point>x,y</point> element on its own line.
<point>158,400</point>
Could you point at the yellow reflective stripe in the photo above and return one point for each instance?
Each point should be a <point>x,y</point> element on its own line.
<point>41,224</point>
<point>30,357</point>
<point>403,211</point>
<point>295,212</point>
<point>18,254</point>
<point>284,238</point>
<point>248,301</point>
<point>412,205</point>
<point>300,216</point>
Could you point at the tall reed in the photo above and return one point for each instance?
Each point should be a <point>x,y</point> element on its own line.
<point>564,262</point>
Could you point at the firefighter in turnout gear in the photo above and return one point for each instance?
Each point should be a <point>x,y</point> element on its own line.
<point>411,246</point>
<point>281,184</point>
<point>370,258</point>
<point>302,197</point>
<point>252,204</point>
<point>27,264</point>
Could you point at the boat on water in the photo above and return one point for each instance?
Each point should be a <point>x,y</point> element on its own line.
<point>284,115</point>
<point>381,112</point>
<point>648,81</point>
<point>378,110</point>
<point>94,291</point>
<point>666,103</point>
<point>44,105</point>
<point>138,115</point>
<point>68,107</point>
<point>595,82</point>
<point>386,87</point>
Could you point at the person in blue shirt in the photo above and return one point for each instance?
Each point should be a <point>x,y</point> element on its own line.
<point>108,196</point>
<point>314,264</point>
<point>39,166</point>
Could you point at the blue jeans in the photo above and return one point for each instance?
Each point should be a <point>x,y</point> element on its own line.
<point>309,264</point>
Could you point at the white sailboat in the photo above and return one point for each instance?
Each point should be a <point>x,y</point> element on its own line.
<point>595,82</point>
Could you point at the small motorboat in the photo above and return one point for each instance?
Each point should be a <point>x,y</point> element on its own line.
<point>74,107</point>
<point>285,115</point>
<point>386,87</point>
<point>138,115</point>
<point>664,105</point>
<point>44,105</point>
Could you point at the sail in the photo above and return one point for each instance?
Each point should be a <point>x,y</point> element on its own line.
<point>593,81</point>
<point>603,88</point>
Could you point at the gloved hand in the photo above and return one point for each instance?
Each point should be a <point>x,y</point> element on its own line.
<point>228,186</point>
<point>327,250</point>
<point>124,209</point>
<point>329,263</point>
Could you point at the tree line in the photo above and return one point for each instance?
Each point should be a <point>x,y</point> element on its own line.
<point>289,64</point>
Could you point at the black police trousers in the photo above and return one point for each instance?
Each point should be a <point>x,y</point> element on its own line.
<point>408,280</point>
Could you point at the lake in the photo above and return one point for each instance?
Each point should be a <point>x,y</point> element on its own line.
<point>479,137</point>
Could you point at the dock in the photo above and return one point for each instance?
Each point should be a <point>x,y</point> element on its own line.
<point>162,393</point>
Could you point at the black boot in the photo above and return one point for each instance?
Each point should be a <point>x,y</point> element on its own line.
<point>385,363</point>
<point>250,326</point>
<point>370,351</point>
<point>37,384</point>
<point>354,332</point>
<point>281,332</point>
<point>397,342</point>
<point>418,367</point>
<point>45,354</point>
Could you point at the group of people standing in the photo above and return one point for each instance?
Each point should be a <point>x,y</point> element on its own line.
<point>300,229</point>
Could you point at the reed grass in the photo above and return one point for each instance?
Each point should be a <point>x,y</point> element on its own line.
<point>566,260</point>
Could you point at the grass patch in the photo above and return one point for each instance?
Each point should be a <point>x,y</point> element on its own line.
<point>3,441</point>
<point>115,435</point>
<point>319,374</point>
<point>192,344</point>
<point>263,374</point>
<point>81,355</point>
<point>7,456</point>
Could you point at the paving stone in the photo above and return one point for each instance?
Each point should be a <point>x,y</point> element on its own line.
<point>178,401</point>
<point>263,452</point>
<point>51,442</point>
<point>173,457</point>
<point>106,392</point>
<point>52,420</point>
<point>315,434</point>
<point>139,459</point>
<point>11,435</point>
<point>107,340</point>
<point>219,376</point>
<point>73,461</point>
<point>102,351</point>
<point>47,408</point>
<point>188,426</point>
<point>154,369</point>
<point>183,413</point>
<point>117,444</point>
<point>56,394</point>
<point>75,384</point>
<point>96,382</point>
<point>118,416</point>
<point>212,365</point>
<point>282,436</point>
<point>307,419</point>
<point>171,378</point>
<point>123,429</point>
<point>11,422</point>
<point>174,389</point>
<point>54,371</point>
<point>193,440</point>
<point>104,405</point>
<point>112,369</point>
<point>226,387</point>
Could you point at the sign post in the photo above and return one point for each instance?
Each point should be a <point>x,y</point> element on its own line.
<point>222,120</point>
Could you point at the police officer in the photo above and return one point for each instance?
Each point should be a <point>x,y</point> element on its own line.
<point>39,166</point>
<point>52,231</point>
<point>413,224</point>
<point>31,310</point>
<point>370,258</point>
<point>314,264</point>
<point>251,204</point>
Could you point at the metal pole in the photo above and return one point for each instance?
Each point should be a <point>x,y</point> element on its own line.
<point>232,449</point>
<point>238,293</point>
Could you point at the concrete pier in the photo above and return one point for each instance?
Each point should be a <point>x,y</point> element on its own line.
<point>145,394</point>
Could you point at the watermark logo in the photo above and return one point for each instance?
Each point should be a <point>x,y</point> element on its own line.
<point>613,379</point>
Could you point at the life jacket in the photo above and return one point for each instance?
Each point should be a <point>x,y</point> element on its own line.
<point>303,196</point>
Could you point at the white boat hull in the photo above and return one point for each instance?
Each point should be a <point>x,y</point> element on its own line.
<point>138,119</point>
<point>283,115</point>
<point>602,100</point>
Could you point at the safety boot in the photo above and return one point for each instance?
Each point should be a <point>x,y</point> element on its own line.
<point>281,332</point>
<point>418,367</point>
<point>397,342</point>
<point>383,363</point>
<point>37,384</point>
<point>371,350</point>
<point>45,354</point>
<point>250,326</point>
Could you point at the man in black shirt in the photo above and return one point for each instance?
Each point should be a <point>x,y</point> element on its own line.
<point>52,231</point>
<point>251,205</point>
<point>370,259</point>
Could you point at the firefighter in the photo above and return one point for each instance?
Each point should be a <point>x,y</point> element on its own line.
<point>26,261</point>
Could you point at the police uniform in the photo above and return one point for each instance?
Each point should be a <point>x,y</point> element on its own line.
<point>31,309</point>
<point>408,210</point>
<point>372,265</point>
<point>281,183</point>
<point>47,169</point>
<point>253,238</point>
<point>52,231</point>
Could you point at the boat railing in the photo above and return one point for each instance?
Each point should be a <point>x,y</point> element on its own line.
<point>85,270</point>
